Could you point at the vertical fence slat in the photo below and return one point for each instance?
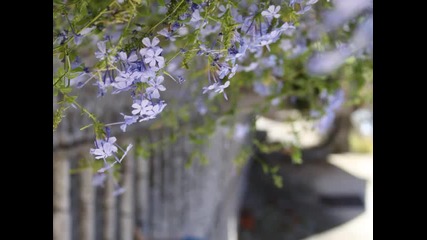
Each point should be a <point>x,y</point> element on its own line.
<point>86,206</point>
<point>61,202</point>
<point>109,223</point>
<point>141,194</point>
<point>126,199</point>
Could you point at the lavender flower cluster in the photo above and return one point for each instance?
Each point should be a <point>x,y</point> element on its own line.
<point>140,71</point>
<point>242,43</point>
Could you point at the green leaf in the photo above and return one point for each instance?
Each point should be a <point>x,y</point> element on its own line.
<point>58,116</point>
<point>274,169</point>
<point>70,99</point>
<point>87,126</point>
<point>264,167</point>
<point>296,155</point>
<point>203,159</point>
<point>278,181</point>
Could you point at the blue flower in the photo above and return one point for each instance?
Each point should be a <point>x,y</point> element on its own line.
<point>142,107</point>
<point>148,74</point>
<point>104,148</point>
<point>220,88</point>
<point>128,60</point>
<point>156,87</point>
<point>128,121</point>
<point>209,88</point>
<point>223,71</point>
<point>156,110</point>
<point>217,88</point>
<point>334,103</point>
<point>167,34</point>
<point>261,89</point>
<point>123,81</point>
<point>79,37</point>
<point>195,17</point>
<point>241,131</point>
<point>149,45</point>
<point>103,85</point>
<point>285,44</point>
<point>272,12</point>
<point>118,191</point>
<point>153,57</point>
<point>325,123</point>
<point>197,20</point>
<point>98,179</point>
<point>233,71</point>
<point>102,53</point>
<point>303,7</point>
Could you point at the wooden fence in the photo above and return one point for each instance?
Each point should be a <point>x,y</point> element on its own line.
<point>164,200</point>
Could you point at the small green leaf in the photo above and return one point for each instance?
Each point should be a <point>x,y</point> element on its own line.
<point>278,181</point>
<point>87,126</point>
<point>264,167</point>
<point>274,169</point>
<point>296,155</point>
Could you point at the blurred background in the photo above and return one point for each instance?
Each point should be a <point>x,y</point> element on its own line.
<point>288,157</point>
<point>327,196</point>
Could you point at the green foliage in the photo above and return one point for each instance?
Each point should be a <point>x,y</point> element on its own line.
<point>58,115</point>
<point>272,171</point>
<point>175,9</point>
<point>228,26</point>
<point>296,154</point>
<point>278,181</point>
<point>135,19</point>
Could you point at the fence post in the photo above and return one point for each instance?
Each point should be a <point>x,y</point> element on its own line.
<point>126,199</point>
<point>86,205</point>
<point>61,198</point>
<point>108,208</point>
<point>141,194</point>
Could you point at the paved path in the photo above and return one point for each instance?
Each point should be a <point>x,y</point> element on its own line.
<point>331,200</point>
<point>361,227</point>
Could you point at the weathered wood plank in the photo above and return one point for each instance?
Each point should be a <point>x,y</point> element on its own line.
<point>86,204</point>
<point>126,208</point>
<point>61,202</point>
<point>141,193</point>
<point>109,211</point>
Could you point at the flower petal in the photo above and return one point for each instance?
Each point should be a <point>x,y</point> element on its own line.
<point>160,79</point>
<point>146,42</point>
<point>158,51</point>
<point>133,57</point>
<point>150,53</point>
